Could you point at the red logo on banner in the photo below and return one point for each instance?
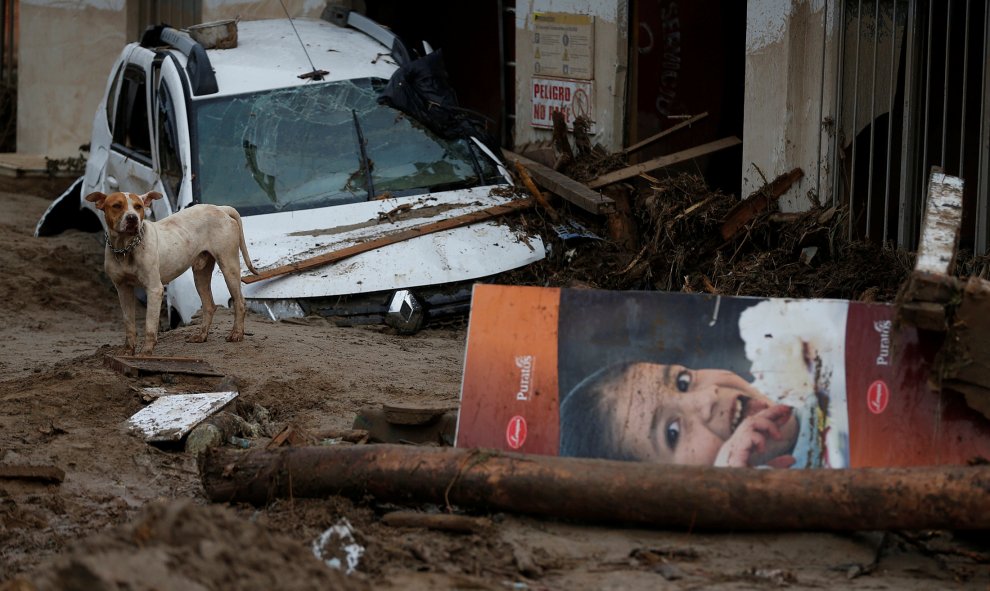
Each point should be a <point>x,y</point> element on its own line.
<point>877,396</point>
<point>515,432</point>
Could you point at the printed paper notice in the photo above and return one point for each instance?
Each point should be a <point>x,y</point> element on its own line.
<point>563,45</point>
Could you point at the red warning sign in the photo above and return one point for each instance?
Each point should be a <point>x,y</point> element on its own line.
<point>570,97</point>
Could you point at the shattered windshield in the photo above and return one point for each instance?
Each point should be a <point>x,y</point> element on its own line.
<point>298,148</point>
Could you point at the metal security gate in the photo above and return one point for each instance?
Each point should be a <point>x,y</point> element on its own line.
<point>912,92</point>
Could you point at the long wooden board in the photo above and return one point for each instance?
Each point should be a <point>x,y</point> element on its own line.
<point>663,161</point>
<point>408,234</point>
<point>135,366</point>
<point>664,133</point>
<point>564,186</point>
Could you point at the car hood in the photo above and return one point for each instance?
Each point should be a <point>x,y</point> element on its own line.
<point>469,252</point>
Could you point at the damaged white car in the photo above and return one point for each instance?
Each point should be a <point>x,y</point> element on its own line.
<point>291,128</point>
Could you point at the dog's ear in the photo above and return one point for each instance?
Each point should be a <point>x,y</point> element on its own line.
<point>98,198</point>
<point>149,197</point>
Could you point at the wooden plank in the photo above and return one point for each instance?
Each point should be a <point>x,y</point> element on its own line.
<point>940,227</point>
<point>663,161</point>
<point>564,186</point>
<point>408,234</point>
<point>169,418</point>
<point>133,366</point>
<point>664,133</point>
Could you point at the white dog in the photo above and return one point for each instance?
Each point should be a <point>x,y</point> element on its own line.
<point>151,254</point>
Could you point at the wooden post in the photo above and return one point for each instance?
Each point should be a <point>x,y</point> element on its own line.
<point>680,497</point>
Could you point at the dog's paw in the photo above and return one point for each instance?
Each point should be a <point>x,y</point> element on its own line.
<point>235,337</point>
<point>196,338</point>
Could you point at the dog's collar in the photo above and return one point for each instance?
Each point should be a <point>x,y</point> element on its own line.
<point>130,245</point>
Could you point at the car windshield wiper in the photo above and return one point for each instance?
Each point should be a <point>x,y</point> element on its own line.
<point>454,185</point>
<point>365,161</point>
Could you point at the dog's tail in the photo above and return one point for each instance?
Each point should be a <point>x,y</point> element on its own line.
<point>240,227</point>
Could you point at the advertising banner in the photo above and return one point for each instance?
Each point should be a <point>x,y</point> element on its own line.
<point>706,380</point>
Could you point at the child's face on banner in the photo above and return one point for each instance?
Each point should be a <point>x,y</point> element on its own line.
<point>674,415</point>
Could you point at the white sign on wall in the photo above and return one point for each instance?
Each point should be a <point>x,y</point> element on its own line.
<point>572,97</point>
<point>563,45</point>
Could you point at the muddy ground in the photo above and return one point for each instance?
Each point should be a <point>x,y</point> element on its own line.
<point>133,516</point>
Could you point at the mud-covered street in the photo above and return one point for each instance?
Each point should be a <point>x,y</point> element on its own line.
<point>131,515</point>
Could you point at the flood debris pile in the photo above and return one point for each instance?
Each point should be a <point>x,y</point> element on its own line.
<point>672,232</point>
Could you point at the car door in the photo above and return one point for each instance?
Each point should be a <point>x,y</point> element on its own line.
<point>130,161</point>
<point>173,161</point>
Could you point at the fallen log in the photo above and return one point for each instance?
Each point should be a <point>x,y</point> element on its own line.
<point>747,209</point>
<point>401,236</point>
<point>691,497</point>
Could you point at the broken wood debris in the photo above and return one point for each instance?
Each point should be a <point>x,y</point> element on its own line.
<point>563,186</point>
<point>47,474</point>
<point>758,202</point>
<point>401,236</point>
<point>439,521</point>
<point>669,496</point>
<point>334,436</point>
<point>934,299</point>
<point>169,418</point>
<point>664,161</point>
<point>291,435</point>
<point>535,192</point>
<point>930,287</point>
<point>135,366</point>
<point>686,123</point>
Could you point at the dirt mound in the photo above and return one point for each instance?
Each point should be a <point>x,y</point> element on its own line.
<point>181,546</point>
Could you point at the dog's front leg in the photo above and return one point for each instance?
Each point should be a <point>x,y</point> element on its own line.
<point>155,293</point>
<point>128,303</point>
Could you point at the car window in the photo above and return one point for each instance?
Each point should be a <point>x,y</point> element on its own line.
<point>298,148</point>
<point>170,165</point>
<point>112,98</point>
<point>131,129</point>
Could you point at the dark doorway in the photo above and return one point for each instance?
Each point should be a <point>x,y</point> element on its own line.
<point>687,58</point>
<point>474,39</point>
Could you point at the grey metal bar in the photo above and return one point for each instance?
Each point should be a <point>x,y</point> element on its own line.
<point>909,131</point>
<point>11,54</point>
<point>873,127</point>
<point>890,123</point>
<point>855,122</point>
<point>838,175</point>
<point>945,85</point>
<point>962,124</point>
<point>928,95</point>
<point>821,103</point>
<point>983,178</point>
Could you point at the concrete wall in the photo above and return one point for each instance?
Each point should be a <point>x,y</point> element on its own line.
<point>247,10</point>
<point>66,49</point>
<point>790,98</point>
<point>610,67</point>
